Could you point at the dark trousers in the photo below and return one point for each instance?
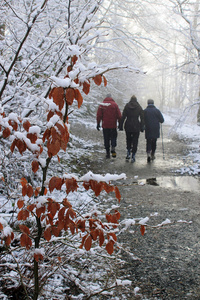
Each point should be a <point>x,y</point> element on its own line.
<point>132,141</point>
<point>151,145</point>
<point>110,138</point>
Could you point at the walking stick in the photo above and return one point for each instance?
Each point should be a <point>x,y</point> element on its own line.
<point>162,142</point>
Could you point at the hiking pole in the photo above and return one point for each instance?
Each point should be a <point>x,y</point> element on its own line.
<point>162,142</point>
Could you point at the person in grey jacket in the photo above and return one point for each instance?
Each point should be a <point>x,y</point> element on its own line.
<point>133,116</point>
<point>152,118</point>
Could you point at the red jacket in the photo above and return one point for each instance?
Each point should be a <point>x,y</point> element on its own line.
<point>109,113</point>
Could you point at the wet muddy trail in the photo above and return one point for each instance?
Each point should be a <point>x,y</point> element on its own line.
<point>169,265</point>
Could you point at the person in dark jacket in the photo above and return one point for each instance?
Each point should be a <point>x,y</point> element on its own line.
<point>133,116</point>
<point>152,117</point>
<point>108,113</point>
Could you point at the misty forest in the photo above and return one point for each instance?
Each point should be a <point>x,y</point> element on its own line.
<point>60,225</point>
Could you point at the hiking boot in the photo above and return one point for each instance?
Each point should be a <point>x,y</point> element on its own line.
<point>152,156</point>
<point>133,158</point>
<point>108,155</point>
<point>114,154</point>
<point>128,156</point>
<point>148,157</point>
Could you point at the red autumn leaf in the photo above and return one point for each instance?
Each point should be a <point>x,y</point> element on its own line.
<point>53,147</point>
<point>117,214</point>
<point>55,183</point>
<point>101,238</point>
<point>70,96</point>
<point>86,87</point>
<point>71,213</point>
<point>47,234</point>
<point>88,243</point>
<point>81,225</point>
<point>83,241</point>
<point>46,134</point>
<point>31,207</point>
<point>26,125</point>
<point>13,124</point>
<point>72,227</point>
<point>53,207</point>
<point>37,191</point>
<point>97,187</point>
<point>109,247</point>
<point>24,229</point>
<point>117,193</point>
<point>1,226</point>
<point>20,203</point>
<point>12,147</point>
<point>61,214</point>
<point>32,137</point>
<point>55,231</point>
<point>57,93</point>
<point>21,145</point>
<point>40,210</point>
<point>71,185</point>
<point>25,241</point>
<point>23,214</point>
<point>24,190</point>
<point>74,59</point>
<point>6,133</point>
<point>35,166</point>
<point>108,188</point>
<point>29,191</point>
<point>109,218</point>
<point>142,229</point>
<point>94,234</point>
<point>38,256</point>
<point>23,181</point>
<point>113,235</point>
<point>7,240</point>
<point>66,203</point>
<point>59,258</point>
<point>98,79</point>
<point>104,80</point>
<point>78,97</point>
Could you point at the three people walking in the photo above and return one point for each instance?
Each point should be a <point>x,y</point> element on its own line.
<point>134,120</point>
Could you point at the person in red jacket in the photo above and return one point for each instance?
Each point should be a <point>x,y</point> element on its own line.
<point>108,113</point>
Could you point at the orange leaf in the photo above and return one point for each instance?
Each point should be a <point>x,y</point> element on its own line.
<point>37,191</point>
<point>29,191</point>
<point>24,229</point>
<point>6,133</point>
<point>71,185</point>
<point>104,80</point>
<point>26,125</point>
<point>66,203</point>
<point>25,241</point>
<point>47,234</point>
<point>86,87</point>
<point>55,183</point>
<point>108,188</point>
<point>98,79</point>
<point>74,59</point>
<point>38,256</point>
<point>117,193</point>
<point>23,181</point>
<point>31,207</point>
<point>70,96</point>
<point>23,214</point>
<point>1,226</point>
<point>109,247</point>
<point>13,124</point>
<point>35,166</point>
<point>24,190</point>
<point>101,238</point>
<point>78,97</point>
<point>53,207</point>
<point>40,210</point>
<point>88,243</point>
<point>32,137</point>
<point>142,229</point>
<point>20,203</point>
<point>58,96</point>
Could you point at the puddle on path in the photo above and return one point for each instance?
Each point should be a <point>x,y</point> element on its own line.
<point>184,183</point>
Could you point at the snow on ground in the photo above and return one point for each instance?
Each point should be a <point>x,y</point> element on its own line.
<point>190,132</point>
